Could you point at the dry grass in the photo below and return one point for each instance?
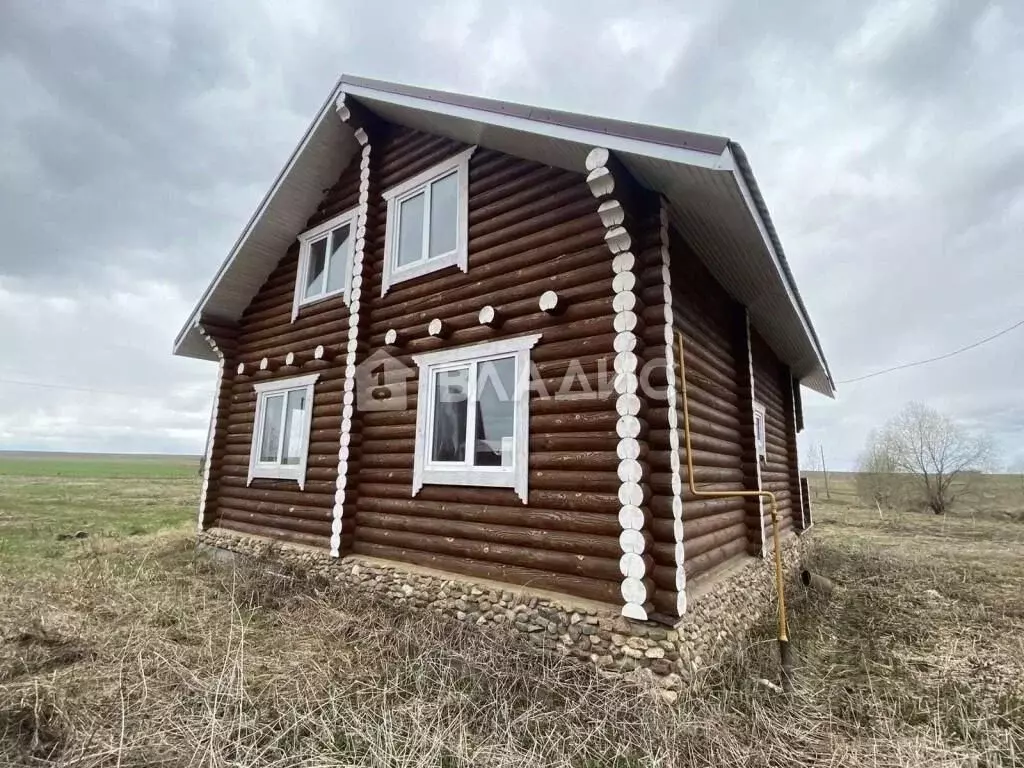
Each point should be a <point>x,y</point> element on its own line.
<point>142,654</point>
<point>135,652</point>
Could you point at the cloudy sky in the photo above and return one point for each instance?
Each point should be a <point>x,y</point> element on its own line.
<point>137,138</point>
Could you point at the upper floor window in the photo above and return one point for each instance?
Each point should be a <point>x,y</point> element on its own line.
<point>472,415</point>
<point>759,436</point>
<point>280,438</point>
<point>428,222</point>
<point>325,261</point>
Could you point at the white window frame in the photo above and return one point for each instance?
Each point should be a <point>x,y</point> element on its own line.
<point>760,441</point>
<point>306,240</point>
<point>450,473</point>
<point>276,470</point>
<point>457,164</point>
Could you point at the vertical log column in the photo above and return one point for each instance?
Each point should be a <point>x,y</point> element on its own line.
<point>748,437</point>
<point>221,341</point>
<point>343,515</point>
<point>636,563</point>
<point>795,494</point>
<point>672,385</point>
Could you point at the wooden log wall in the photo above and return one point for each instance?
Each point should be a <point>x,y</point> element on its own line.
<point>772,390</point>
<point>665,433</point>
<point>277,508</point>
<point>366,127</point>
<point>532,229</point>
<point>222,336</point>
<point>715,530</point>
<point>755,506</point>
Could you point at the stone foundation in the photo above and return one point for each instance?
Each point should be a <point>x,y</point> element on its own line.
<point>721,611</point>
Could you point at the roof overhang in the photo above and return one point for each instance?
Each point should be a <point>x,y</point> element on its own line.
<point>706,181</point>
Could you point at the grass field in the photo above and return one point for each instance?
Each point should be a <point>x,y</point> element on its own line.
<point>126,649</point>
<point>43,496</point>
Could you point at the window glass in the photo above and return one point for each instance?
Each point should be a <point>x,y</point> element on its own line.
<point>270,437</point>
<point>495,413</point>
<point>294,423</point>
<point>339,260</point>
<point>444,198</point>
<point>317,266</point>
<point>410,230</point>
<point>451,390</point>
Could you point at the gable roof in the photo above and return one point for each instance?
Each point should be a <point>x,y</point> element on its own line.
<point>712,196</point>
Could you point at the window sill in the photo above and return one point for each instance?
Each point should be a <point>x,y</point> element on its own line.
<point>422,268</point>
<point>481,478</point>
<point>296,474</point>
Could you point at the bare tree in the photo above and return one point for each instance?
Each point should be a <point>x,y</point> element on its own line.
<point>932,452</point>
<point>878,483</point>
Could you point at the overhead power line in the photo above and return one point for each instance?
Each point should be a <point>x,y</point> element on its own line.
<point>48,385</point>
<point>946,356</point>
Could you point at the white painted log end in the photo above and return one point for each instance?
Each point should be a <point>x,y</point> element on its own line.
<point>289,359</point>
<point>631,518</point>
<point>625,341</point>
<point>625,321</point>
<point>265,364</point>
<point>490,317</point>
<point>626,383</point>
<point>624,301</point>
<point>627,426</point>
<point>601,182</point>
<point>632,566</point>
<point>632,542</point>
<point>391,337</point>
<point>630,471</point>
<point>240,369</point>
<point>633,588</point>
<point>634,611</point>
<point>438,329</point>
<point>631,493</point>
<point>628,448</point>
<point>611,213</point>
<point>627,405</point>
<point>625,362</point>
<point>617,239</point>
<point>551,303</point>
<point>624,281</point>
<point>344,113</point>
<point>597,158</point>
<point>320,352</point>
<point>681,601</point>
<point>623,262</point>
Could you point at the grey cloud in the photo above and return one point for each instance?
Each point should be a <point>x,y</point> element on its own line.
<point>889,141</point>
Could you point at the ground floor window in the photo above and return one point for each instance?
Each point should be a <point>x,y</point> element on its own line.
<point>280,438</point>
<point>472,416</point>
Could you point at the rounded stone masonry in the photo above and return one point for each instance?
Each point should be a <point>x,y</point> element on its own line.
<point>718,619</point>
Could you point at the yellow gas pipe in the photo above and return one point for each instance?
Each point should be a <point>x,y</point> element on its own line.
<point>784,654</point>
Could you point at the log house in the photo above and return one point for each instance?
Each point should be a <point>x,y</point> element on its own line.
<point>446,339</point>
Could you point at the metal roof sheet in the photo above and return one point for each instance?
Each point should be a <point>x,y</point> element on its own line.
<point>707,180</point>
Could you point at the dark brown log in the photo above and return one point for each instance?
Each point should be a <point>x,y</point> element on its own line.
<point>593,589</point>
<point>574,541</point>
<point>525,557</point>
<point>587,501</point>
<point>295,537</point>
<point>276,522</point>
<point>530,517</point>
<point>705,562</point>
